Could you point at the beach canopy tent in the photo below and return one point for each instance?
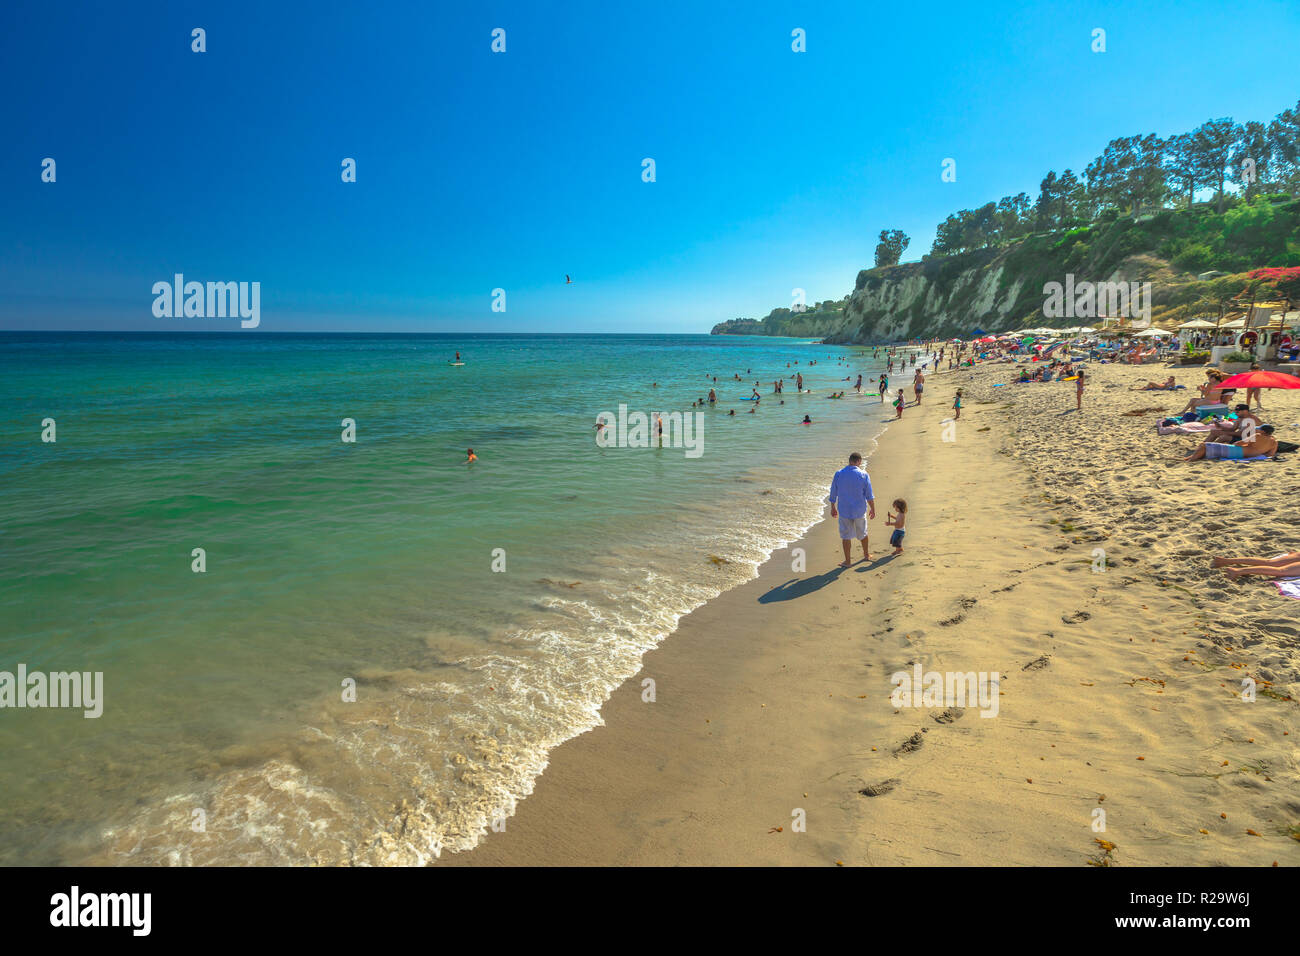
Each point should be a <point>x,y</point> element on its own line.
<point>1234,324</point>
<point>1260,379</point>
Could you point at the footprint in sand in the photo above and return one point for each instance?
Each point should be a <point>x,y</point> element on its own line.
<point>1078,617</point>
<point>880,789</point>
<point>911,745</point>
<point>949,715</point>
<point>1275,624</point>
<point>1038,663</point>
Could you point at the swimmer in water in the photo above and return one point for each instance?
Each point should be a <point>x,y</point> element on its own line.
<point>472,456</point>
<point>806,421</point>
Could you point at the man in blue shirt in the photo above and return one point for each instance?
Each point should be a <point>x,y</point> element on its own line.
<point>852,502</point>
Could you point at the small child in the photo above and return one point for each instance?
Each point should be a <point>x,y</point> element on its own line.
<point>472,456</point>
<point>956,406</point>
<point>898,520</point>
<point>898,405</point>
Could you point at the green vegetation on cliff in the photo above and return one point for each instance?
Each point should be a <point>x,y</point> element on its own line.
<point>1001,286</point>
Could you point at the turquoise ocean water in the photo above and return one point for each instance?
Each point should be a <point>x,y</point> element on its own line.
<point>225,737</point>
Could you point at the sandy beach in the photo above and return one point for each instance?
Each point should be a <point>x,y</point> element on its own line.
<point>1121,735</point>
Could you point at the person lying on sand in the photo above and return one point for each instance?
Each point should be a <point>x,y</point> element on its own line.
<point>1283,566</point>
<point>1264,444</point>
<point>1166,386</point>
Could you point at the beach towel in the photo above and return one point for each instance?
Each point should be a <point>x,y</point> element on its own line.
<point>1256,458</point>
<point>1289,587</point>
<point>1189,429</point>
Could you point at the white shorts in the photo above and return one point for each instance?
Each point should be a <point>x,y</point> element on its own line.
<point>853,529</point>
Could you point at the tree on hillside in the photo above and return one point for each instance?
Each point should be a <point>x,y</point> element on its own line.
<point>1127,174</point>
<point>1060,199</point>
<point>1013,216</point>
<point>1105,174</point>
<point>1145,182</point>
<point>1254,147</point>
<point>1284,143</point>
<point>955,234</point>
<point>1046,205</point>
<point>1181,175</point>
<point>890,248</point>
<point>1214,143</point>
<point>1076,203</point>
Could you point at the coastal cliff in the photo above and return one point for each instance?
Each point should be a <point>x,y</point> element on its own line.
<point>1196,260</point>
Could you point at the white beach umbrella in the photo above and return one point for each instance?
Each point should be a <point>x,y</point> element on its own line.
<point>1152,333</point>
<point>1197,324</point>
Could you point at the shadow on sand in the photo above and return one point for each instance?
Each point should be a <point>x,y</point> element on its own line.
<point>877,562</point>
<point>798,587</point>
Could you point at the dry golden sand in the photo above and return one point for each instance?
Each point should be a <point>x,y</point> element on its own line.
<point>1121,690</point>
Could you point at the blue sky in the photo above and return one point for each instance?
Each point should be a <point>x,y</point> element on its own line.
<point>476,170</point>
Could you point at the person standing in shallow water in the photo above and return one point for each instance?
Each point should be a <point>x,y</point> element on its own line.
<point>852,502</point>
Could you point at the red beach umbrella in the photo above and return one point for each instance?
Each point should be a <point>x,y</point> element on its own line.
<point>1260,379</point>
